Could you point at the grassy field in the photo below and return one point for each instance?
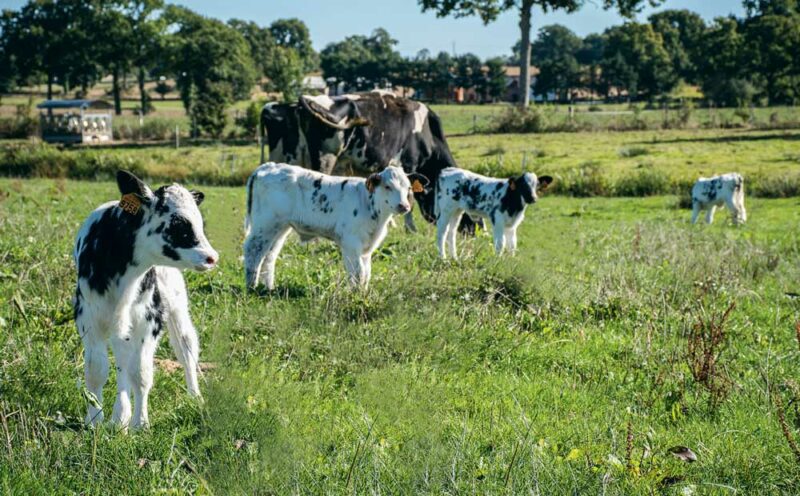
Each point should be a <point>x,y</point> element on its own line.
<point>564,370</point>
<point>770,160</point>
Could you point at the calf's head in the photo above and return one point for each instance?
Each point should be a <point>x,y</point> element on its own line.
<point>171,232</point>
<point>392,189</point>
<point>528,184</point>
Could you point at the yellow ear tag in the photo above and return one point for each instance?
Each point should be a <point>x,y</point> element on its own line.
<point>417,187</point>
<point>130,203</point>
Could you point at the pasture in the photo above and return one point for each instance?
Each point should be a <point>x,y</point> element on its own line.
<point>567,369</point>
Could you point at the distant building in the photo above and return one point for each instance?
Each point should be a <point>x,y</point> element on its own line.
<point>315,83</point>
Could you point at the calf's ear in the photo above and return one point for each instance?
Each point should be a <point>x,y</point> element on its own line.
<point>130,184</point>
<point>198,196</point>
<point>373,181</point>
<point>418,182</point>
<point>544,182</point>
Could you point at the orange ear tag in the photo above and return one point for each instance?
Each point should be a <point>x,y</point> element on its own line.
<point>130,203</point>
<point>417,187</point>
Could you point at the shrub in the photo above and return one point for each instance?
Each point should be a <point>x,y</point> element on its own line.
<point>250,119</point>
<point>646,182</point>
<point>773,186</point>
<point>516,120</point>
<point>585,180</point>
<point>23,125</point>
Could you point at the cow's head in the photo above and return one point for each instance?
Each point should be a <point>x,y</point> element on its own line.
<point>172,227</point>
<point>392,189</point>
<point>528,184</point>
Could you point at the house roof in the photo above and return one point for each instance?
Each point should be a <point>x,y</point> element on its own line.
<point>82,104</point>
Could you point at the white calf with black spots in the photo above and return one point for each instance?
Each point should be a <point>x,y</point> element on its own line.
<point>129,256</point>
<point>501,201</point>
<point>710,193</point>
<point>350,211</point>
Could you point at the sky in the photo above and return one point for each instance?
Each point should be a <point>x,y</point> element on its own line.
<point>333,20</point>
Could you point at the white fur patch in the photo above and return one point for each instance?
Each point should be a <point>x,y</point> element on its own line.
<point>420,116</point>
<point>323,101</point>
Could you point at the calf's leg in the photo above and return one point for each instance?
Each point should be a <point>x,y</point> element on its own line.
<point>710,214</point>
<point>121,414</point>
<point>268,265</point>
<point>95,358</point>
<point>695,211</point>
<point>452,233</point>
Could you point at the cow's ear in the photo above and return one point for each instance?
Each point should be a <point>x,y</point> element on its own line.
<point>544,182</point>
<point>512,183</point>
<point>130,184</point>
<point>418,182</point>
<point>198,196</point>
<point>373,181</point>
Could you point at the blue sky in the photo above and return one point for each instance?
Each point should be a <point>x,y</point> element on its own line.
<point>332,20</point>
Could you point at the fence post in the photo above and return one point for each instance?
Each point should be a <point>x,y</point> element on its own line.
<point>474,124</point>
<point>141,124</point>
<point>177,136</point>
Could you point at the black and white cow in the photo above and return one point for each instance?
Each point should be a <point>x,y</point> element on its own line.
<point>129,256</point>
<point>713,192</point>
<point>501,201</point>
<point>359,134</point>
<point>350,211</point>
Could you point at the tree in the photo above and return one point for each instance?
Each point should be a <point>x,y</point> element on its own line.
<point>722,72</point>
<point>212,64</point>
<point>293,33</point>
<point>682,32</point>
<point>468,71</point>
<point>635,60</point>
<point>285,69</point>
<point>756,8</point>
<point>555,51</point>
<point>772,50</point>
<point>489,10</point>
<point>589,55</point>
<point>147,32</point>
<point>114,41</point>
<point>260,40</point>
<point>50,39</point>
<point>495,78</point>
<point>361,61</point>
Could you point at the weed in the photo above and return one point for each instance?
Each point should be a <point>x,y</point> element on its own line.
<point>706,342</point>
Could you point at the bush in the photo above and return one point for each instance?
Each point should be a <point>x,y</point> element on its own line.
<point>646,182</point>
<point>517,120</point>
<point>251,118</point>
<point>24,124</point>
<point>773,186</point>
<point>586,180</point>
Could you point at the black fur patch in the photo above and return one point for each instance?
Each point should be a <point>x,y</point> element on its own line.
<point>170,253</point>
<point>107,249</point>
<point>250,182</point>
<point>180,233</point>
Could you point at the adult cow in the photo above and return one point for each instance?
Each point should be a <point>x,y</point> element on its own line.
<point>358,134</point>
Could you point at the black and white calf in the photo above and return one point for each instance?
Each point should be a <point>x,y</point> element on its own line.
<point>710,193</point>
<point>129,256</point>
<point>350,211</point>
<point>501,201</point>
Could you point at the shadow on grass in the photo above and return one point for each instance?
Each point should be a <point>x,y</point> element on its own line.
<point>185,142</point>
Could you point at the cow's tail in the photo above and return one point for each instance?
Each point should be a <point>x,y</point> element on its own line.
<point>247,223</point>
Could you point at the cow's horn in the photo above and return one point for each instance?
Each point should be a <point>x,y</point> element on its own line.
<point>348,123</point>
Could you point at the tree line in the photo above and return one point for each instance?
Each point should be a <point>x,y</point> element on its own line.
<point>76,43</point>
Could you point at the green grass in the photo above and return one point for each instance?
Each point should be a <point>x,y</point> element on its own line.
<point>484,376</point>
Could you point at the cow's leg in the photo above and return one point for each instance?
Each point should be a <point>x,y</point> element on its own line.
<point>710,214</point>
<point>95,358</point>
<point>140,373</point>
<point>696,207</point>
<point>499,238</point>
<point>511,239</point>
<point>733,208</point>
<point>268,265</point>
<point>409,222</point>
<point>121,414</point>
<point>354,264</point>
<point>183,338</point>
<point>366,262</point>
<point>442,226</point>
<point>452,233</point>
<point>255,247</point>
<point>327,162</point>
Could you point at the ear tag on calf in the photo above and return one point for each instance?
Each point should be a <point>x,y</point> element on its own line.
<point>130,203</point>
<point>416,186</point>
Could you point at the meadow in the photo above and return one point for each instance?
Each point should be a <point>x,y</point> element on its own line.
<point>574,367</point>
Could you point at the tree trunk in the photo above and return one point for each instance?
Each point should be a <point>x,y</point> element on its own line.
<point>115,91</point>
<point>142,93</point>
<point>525,53</point>
<point>49,86</point>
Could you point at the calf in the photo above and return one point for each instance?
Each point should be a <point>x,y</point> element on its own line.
<point>501,201</point>
<point>129,256</point>
<point>713,192</point>
<point>350,211</point>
